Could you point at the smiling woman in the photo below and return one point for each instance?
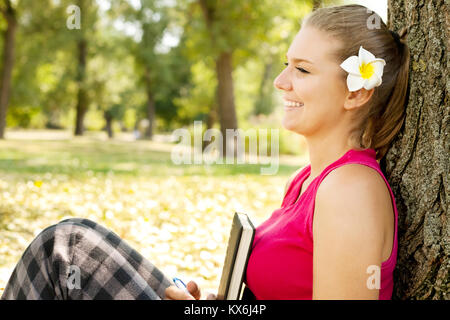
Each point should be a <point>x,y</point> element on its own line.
<point>335,235</point>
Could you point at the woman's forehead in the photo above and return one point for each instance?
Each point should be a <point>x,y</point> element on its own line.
<point>312,45</point>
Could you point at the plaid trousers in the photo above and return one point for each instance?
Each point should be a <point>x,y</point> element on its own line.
<point>78,259</point>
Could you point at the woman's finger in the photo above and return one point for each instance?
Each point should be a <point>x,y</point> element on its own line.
<point>211,296</point>
<point>175,293</point>
<point>194,289</point>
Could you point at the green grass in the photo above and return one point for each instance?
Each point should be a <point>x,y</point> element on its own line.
<point>178,216</point>
<point>74,157</point>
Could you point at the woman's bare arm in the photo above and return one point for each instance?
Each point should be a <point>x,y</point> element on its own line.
<point>349,230</point>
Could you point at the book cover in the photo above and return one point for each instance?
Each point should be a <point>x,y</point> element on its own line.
<point>236,258</point>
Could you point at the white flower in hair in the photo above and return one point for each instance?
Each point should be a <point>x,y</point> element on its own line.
<point>363,70</point>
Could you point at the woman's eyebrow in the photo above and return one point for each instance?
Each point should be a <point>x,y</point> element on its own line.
<point>299,59</point>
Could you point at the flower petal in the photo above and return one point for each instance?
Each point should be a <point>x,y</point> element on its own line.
<point>378,65</point>
<point>354,83</point>
<point>351,65</point>
<point>379,60</point>
<point>373,82</point>
<point>365,56</point>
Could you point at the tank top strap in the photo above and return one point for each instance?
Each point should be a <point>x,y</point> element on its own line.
<point>293,186</point>
<point>366,157</point>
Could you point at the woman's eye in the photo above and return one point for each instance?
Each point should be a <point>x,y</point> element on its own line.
<point>301,70</point>
<point>298,68</point>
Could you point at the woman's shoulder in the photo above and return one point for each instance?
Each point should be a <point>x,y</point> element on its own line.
<point>360,175</point>
<point>355,189</point>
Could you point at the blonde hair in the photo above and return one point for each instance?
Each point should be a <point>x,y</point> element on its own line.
<point>382,117</point>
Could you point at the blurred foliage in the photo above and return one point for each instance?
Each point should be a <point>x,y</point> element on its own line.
<point>128,39</point>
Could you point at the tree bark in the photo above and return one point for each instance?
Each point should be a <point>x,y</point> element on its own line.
<point>150,105</point>
<point>225,96</point>
<point>8,62</point>
<point>417,164</point>
<point>82,98</point>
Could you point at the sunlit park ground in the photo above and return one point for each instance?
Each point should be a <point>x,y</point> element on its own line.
<point>177,216</point>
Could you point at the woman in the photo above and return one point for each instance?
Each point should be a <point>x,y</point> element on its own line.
<point>334,237</point>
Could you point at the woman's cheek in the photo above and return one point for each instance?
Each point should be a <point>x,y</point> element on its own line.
<point>307,89</point>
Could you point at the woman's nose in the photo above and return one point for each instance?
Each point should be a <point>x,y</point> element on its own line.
<point>282,82</point>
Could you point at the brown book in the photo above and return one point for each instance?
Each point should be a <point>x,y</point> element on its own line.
<point>236,257</point>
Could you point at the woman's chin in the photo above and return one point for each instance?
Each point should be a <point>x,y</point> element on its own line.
<point>290,125</point>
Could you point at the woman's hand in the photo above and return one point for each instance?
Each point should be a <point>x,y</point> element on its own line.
<point>175,293</point>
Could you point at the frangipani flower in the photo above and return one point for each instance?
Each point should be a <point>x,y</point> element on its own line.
<point>363,70</point>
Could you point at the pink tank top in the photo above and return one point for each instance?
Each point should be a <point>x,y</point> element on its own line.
<point>280,266</point>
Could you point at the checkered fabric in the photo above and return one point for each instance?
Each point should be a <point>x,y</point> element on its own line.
<point>78,259</point>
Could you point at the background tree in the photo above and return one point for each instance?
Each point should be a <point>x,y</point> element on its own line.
<point>114,112</point>
<point>162,72</point>
<point>88,11</point>
<point>219,26</point>
<point>153,20</point>
<point>417,164</point>
<point>39,90</point>
<point>9,34</point>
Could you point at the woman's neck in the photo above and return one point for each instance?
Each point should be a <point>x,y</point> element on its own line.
<point>322,153</point>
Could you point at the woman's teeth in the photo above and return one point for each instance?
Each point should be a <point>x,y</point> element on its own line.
<point>293,104</point>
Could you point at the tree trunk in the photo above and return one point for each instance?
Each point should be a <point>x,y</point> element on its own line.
<point>263,104</point>
<point>225,96</point>
<point>150,105</point>
<point>108,127</point>
<point>417,164</point>
<point>210,121</point>
<point>82,99</point>
<point>212,116</point>
<point>225,93</point>
<point>8,63</point>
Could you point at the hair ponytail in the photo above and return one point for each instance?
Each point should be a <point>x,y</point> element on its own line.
<point>390,121</point>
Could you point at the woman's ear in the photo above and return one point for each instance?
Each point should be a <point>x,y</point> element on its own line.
<point>357,98</point>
